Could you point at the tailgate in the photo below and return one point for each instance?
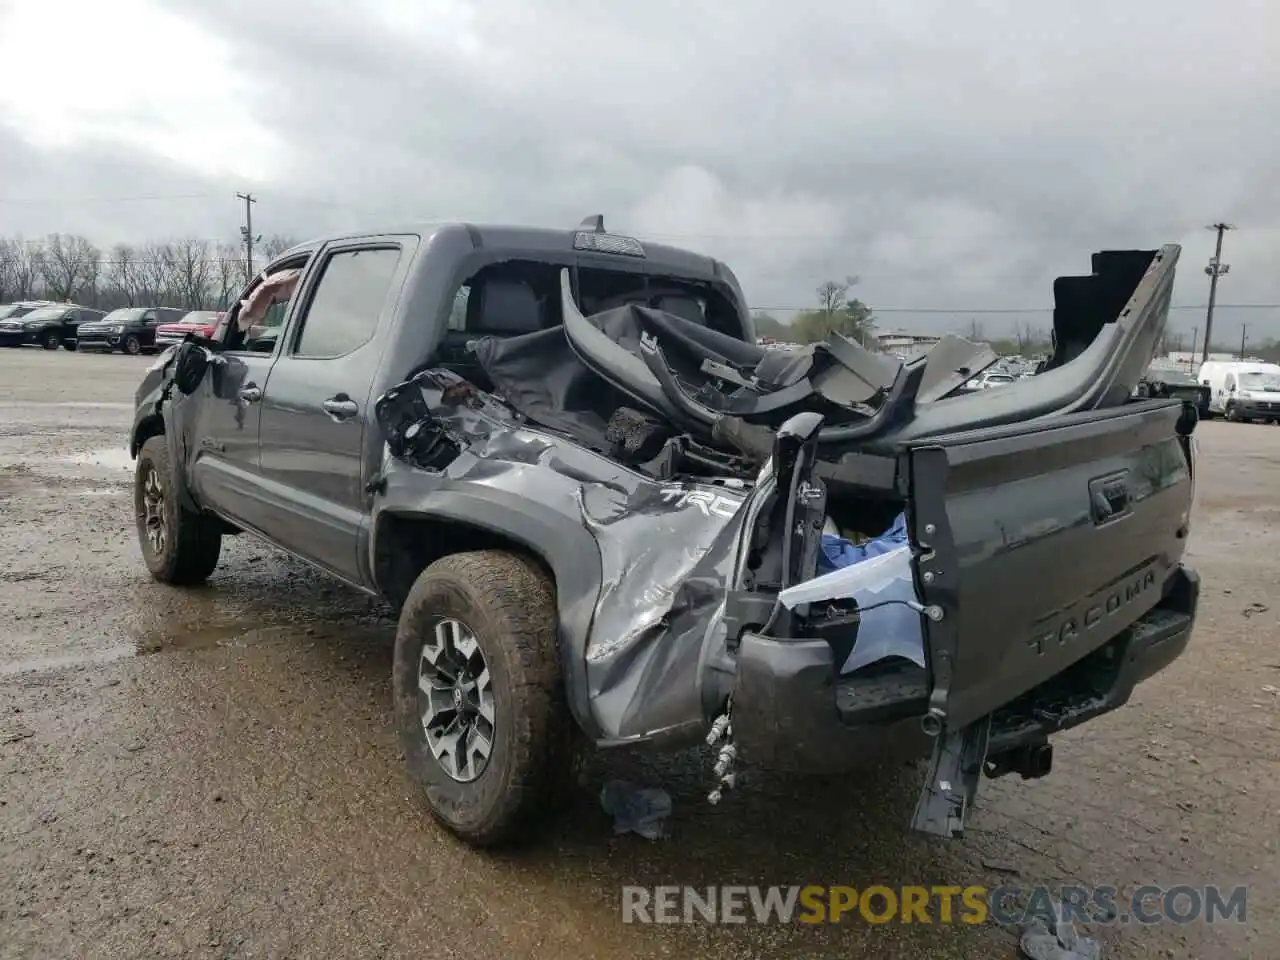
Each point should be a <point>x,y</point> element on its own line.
<point>1039,543</point>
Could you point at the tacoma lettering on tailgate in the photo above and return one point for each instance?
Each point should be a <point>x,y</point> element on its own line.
<point>1101,607</point>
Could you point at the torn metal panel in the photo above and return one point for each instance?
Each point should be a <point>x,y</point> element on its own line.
<point>649,560</point>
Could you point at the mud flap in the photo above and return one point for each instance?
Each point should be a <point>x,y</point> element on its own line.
<point>954,771</point>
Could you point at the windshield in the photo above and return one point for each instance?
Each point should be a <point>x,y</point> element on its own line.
<point>999,378</point>
<point>46,313</point>
<point>123,315</point>
<point>200,317</point>
<point>10,310</point>
<point>1259,380</point>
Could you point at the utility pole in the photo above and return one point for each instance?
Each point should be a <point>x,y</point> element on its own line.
<point>1244,328</point>
<point>246,234</point>
<point>1215,269</point>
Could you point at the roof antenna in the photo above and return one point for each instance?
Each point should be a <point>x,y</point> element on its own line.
<point>595,223</point>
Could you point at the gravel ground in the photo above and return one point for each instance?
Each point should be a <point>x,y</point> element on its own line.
<point>214,773</point>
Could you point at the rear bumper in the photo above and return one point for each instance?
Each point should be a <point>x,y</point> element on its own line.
<point>790,710</point>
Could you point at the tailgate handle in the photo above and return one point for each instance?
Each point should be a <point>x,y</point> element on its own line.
<point>1110,496</point>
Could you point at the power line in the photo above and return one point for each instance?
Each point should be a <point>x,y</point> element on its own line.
<point>136,198</point>
<point>993,311</point>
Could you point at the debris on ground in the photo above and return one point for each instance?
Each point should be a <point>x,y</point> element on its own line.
<point>15,733</point>
<point>1057,939</point>
<point>635,809</point>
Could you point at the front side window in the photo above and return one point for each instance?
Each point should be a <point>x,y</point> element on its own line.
<point>348,302</point>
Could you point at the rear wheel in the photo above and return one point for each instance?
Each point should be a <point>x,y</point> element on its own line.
<point>50,340</point>
<point>1232,413</point>
<point>178,545</point>
<point>479,698</point>
<point>131,345</point>
<point>69,345</point>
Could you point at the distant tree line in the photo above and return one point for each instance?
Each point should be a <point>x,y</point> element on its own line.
<point>191,273</point>
<point>835,311</point>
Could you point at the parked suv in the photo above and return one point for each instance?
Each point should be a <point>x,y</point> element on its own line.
<point>48,326</point>
<point>11,315</point>
<point>130,329</point>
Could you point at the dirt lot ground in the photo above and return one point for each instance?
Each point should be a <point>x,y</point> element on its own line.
<point>213,773</point>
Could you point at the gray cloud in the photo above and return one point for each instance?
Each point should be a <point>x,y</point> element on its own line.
<point>951,156</point>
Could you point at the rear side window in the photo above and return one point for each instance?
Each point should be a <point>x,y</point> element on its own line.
<point>344,311</point>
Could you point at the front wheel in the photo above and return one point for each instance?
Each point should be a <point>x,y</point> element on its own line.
<point>179,546</point>
<point>131,345</point>
<point>479,697</point>
<point>50,340</point>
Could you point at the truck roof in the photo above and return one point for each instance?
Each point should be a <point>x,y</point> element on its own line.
<point>532,240</point>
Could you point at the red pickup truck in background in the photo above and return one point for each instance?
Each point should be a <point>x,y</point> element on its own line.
<point>202,322</point>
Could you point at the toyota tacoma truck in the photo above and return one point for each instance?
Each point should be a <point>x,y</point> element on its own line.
<point>608,516</point>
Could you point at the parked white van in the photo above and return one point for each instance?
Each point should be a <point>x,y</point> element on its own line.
<point>1242,389</point>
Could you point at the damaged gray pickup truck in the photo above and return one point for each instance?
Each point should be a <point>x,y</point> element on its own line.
<point>603,510</point>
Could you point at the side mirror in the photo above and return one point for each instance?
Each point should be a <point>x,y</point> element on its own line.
<point>189,367</point>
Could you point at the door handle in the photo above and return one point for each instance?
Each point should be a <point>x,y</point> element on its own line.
<point>1111,499</point>
<point>250,393</point>
<point>340,407</point>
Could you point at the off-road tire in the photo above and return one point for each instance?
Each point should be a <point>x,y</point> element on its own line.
<point>192,541</point>
<point>131,345</point>
<point>50,340</point>
<point>510,605</point>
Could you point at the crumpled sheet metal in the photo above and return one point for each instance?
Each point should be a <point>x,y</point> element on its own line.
<point>666,552</point>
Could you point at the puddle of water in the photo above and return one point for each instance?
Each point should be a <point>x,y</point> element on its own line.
<point>112,458</point>
<point>33,664</point>
<point>165,639</point>
<point>76,404</point>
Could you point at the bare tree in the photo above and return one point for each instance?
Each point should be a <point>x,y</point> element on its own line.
<point>975,331</point>
<point>158,274</point>
<point>69,265</point>
<point>227,273</point>
<point>274,245</point>
<point>193,271</point>
<point>124,275</point>
<point>8,270</point>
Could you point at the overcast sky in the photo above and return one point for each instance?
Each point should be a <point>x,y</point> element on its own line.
<point>952,155</point>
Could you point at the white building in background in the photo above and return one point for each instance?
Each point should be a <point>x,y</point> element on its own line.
<point>906,345</point>
<point>1193,356</point>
